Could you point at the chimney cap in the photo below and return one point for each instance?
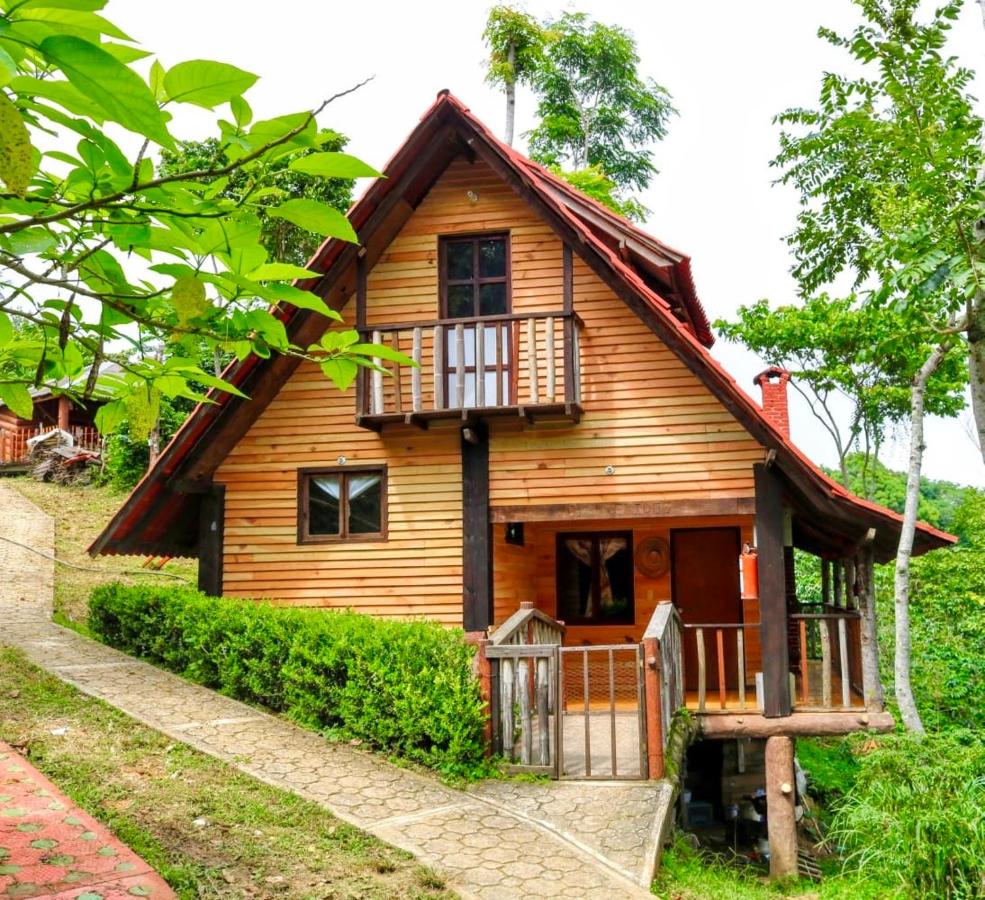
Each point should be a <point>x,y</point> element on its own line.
<point>771,372</point>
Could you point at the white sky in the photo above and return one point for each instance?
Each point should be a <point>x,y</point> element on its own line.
<point>729,66</point>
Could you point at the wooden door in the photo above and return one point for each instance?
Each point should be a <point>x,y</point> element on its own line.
<point>705,590</point>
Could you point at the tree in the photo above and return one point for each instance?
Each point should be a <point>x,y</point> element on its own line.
<point>597,185</point>
<point>862,353</point>
<point>516,43</point>
<point>270,184</point>
<point>103,252</point>
<point>887,168</point>
<point>593,106</point>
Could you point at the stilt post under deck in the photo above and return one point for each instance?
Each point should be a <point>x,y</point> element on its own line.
<point>780,800</point>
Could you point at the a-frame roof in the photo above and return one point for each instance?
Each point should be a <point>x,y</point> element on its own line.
<point>161,514</point>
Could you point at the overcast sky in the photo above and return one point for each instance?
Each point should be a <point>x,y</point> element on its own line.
<point>729,66</point>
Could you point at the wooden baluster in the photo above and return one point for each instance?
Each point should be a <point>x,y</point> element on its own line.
<point>837,583</point>
<point>480,364</point>
<point>499,363</point>
<point>699,635</point>
<point>415,373</point>
<point>612,710</point>
<point>439,367</point>
<point>377,380</point>
<point>805,687</point>
<point>543,709</point>
<point>825,664</point>
<point>551,361</point>
<point>459,366</point>
<point>740,652</point>
<point>720,649</point>
<point>506,686</point>
<point>846,686</point>
<point>398,387</point>
<point>588,721</point>
<point>526,722</point>
<point>576,361</point>
<point>532,360</point>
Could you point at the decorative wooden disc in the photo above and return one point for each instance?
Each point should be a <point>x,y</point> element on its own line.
<point>653,557</point>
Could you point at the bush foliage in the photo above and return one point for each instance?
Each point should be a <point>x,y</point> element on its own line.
<point>403,687</point>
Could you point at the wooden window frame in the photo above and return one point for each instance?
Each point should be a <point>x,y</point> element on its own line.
<point>344,536</point>
<point>629,619</point>
<point>477,282</point>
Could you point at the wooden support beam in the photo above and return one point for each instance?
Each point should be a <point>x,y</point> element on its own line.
<point>772,592</point>
<point>211,523</point>
<point>730,727</point>
<point>656,509</point>
<point>780,800</point>
<point>477,531</point>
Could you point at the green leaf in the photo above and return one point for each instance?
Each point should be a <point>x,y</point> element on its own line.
<point>90,5</point>
<point>341,371</point>
<point>333,165</point>
<point>6,328</point>
<point>157,74</point>
<point>317,217</point>
<point>17,161</point>
<point>286,293</point>
<point>241,111</point>
<point>18,398</point>
<point>381,351</point>
<point>108,82</point>
<point>206,83</point>
<point>8,68</point>
<point>276,271</point>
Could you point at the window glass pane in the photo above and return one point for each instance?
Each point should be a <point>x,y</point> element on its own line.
<point>365,503</point>
<point>468,381</point>
<point>459,256</point>
<point>575,596</point>
<point>323,504</point>
<point>616,579</point>
<point>460,302</point>
<point>492,258</point>
<point>492,299</point>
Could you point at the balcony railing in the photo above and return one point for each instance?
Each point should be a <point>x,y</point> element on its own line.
<point>522,363</point>
<point>14,447</point>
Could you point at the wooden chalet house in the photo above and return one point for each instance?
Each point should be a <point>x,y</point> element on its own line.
<point>568,451</point>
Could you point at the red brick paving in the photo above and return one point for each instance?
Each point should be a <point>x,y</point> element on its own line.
<point>50,848</point>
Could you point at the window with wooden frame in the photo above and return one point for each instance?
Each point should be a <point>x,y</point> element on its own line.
<point>343,503</point>
<point>474,284</point>
<point>595,578</point>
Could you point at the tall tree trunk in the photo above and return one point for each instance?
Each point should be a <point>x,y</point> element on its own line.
<point>976,364</point>
<point>904,690</point>
<point>510,97</point>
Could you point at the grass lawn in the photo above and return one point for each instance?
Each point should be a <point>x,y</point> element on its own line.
<point>208,829</point>
<point>80,513</point>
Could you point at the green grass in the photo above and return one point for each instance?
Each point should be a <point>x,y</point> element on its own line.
<point>258,841</point>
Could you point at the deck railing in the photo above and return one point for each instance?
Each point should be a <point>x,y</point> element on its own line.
<point>663,680</point>
<point>828,658</point>
<point>522,654</point>
<point>517,360</point>
<point>14,447</point>
<point>719,670</point>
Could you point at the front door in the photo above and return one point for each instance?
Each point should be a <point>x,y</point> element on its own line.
<point>705,590</point>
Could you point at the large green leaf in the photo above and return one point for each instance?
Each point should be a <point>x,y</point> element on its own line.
<point>278,271</point>
<point>206,83</point>
<point>317,217</point>
<point>108,82</point>
<point>91,5</point>
<point>333,165</point>
<point>18,398</point>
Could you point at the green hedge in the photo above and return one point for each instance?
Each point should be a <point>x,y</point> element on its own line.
<point>403,687</point>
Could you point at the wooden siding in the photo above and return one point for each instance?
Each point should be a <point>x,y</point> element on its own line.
<point>416,571</point>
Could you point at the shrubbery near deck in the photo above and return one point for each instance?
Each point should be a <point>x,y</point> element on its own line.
<point>403,687</point>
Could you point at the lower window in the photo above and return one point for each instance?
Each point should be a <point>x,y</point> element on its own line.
<point>342,503</point>
<point>595,578</point>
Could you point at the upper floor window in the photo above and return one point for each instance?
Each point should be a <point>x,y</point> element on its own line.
<point>342,503</point>
<point>475,276</point>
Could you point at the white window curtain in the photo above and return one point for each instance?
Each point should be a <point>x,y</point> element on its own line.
<point>359,484</point>
<point>328,484</point>
<point>581,549</point>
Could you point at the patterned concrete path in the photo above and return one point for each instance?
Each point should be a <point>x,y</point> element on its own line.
<point>494,840</point>
<point>50,848</point>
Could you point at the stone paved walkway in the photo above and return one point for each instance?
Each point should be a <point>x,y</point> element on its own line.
<point>494,840</point>
<point>51,848</point>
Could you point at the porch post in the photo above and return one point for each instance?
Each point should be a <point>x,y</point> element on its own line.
<point>871,683</point>
<point>772,592</point>
<point>64,408</point>
<point>780,799</point>
<point>211,524</point>
<point>476,530</point>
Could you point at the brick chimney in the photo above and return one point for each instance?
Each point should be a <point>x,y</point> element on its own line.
<point>773,383</point>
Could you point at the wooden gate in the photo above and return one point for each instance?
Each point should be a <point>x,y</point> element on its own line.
<point>601,731</point>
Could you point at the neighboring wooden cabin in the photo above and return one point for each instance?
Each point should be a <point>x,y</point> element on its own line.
<point>567,442</point>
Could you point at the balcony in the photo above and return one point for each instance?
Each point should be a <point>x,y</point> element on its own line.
<point>522,364</point>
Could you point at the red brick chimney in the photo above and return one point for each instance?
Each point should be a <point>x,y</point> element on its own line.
<point>773,383</point>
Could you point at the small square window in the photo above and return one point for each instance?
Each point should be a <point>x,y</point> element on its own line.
<point>341,504</point>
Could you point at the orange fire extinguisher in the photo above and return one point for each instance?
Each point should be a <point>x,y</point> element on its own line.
<point>749,570</point>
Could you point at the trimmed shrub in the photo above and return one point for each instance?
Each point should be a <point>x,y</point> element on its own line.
<point>403,687</point>
<point>916,813</point>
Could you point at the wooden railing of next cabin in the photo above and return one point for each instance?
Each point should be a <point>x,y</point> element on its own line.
<point>522,654</point>
<point>13,441</point>
<point>529,362</point>
<point>663,681</point>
